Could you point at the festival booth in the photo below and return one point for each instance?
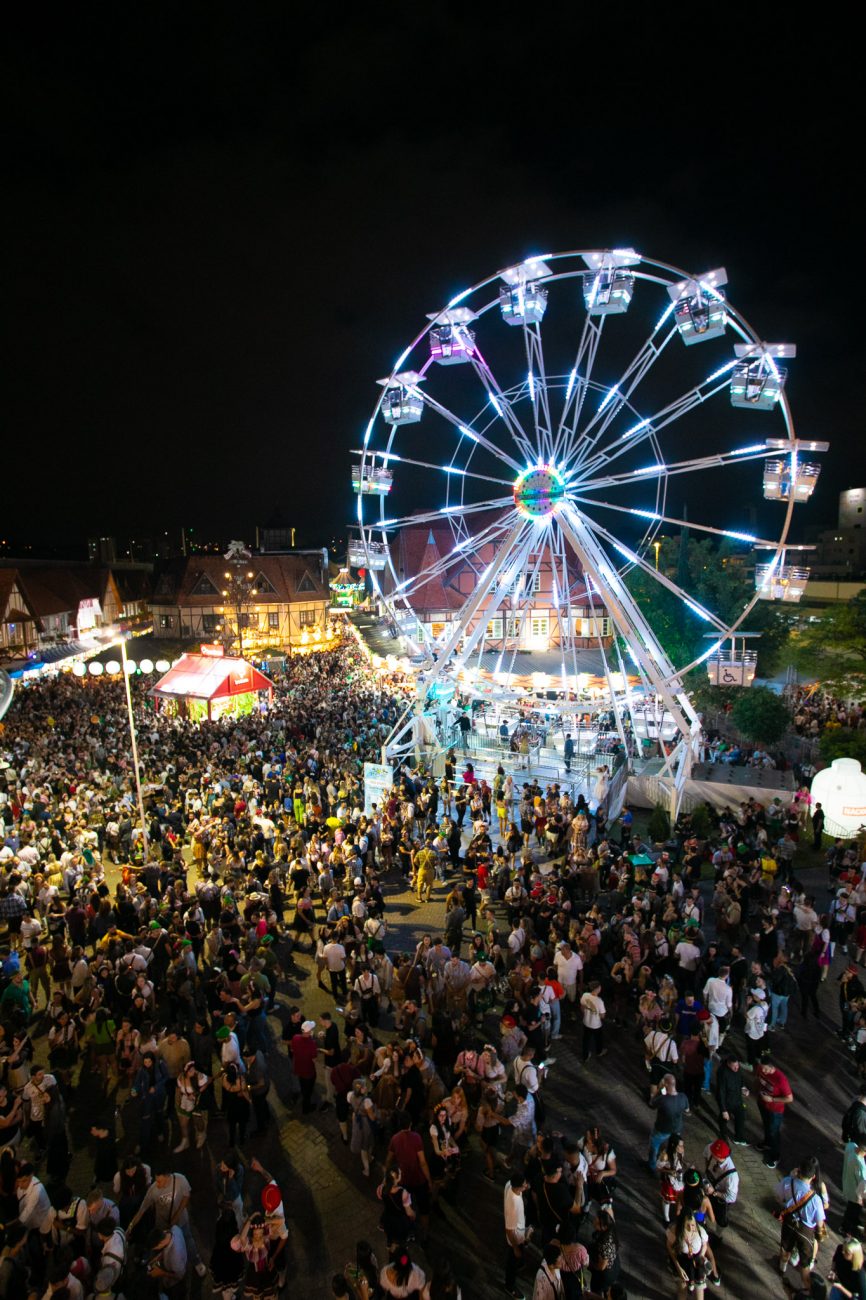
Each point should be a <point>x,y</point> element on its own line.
<point>211,685</point>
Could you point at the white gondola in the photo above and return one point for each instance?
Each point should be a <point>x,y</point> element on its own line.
<point>522,304</point>
<point>700,311</point>
<point>371,481</point>
<point>780,485</point>
<point>780,582</point>
<point>757,381</point>
<point>522,300</point>
<point>732,667</point>
<point>452,342</point>
<point>607,292</point>
<point>373,556</point>
<point>608,286</point>
<point>755,387</point>
<point>402,402</point>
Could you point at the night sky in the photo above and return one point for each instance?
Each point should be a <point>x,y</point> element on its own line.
<point>224,222</point>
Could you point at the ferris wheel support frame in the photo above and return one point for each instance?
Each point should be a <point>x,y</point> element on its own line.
<point>632,625</point>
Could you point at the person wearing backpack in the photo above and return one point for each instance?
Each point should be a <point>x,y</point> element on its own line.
<point>112,1259</point>
<point>783,985</point>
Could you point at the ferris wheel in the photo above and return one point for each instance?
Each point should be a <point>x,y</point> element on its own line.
<point>529,447</point>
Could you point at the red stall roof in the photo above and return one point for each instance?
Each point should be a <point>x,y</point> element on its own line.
<point>200,677</point>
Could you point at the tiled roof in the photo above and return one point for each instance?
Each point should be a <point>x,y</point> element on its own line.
<point>287,578</point>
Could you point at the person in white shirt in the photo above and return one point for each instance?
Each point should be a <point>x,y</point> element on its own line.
<point>568,965</point>
<point>688,955</point>
<point>660,1050</point>
<point>516,1232</point>
<point>756,1024</point>
<point>593,1012</point>
<point>335,960</point>
<point>34,1206</point>
<point>805,924</point>
<point>719,996</point>
<point>724,1180</point>
<point>112,1258</point>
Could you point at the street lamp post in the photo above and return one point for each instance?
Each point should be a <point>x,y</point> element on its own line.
<point>134,740</point>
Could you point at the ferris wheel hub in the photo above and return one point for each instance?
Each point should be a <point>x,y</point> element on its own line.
<point>539,492</point>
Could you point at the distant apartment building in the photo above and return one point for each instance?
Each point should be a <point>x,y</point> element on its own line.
<point>840,552</point>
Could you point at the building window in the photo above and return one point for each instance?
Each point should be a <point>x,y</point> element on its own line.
<point>592,627</point>
<point>494,629</point>
<point>529,584</point>
<point>307,618</point>
<point>204,587</point>
<point>273,618</point>
<point>210,622</point>
<point>539,627</point>
<point>166,621</point>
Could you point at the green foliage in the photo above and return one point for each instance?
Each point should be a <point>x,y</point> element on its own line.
<point>761,715</point>
<point>711,699</point>
<point>702,822</point>
<point>721,578</point>
<point>659,825</point>
<point>832,647</point>
<point>842,742</point>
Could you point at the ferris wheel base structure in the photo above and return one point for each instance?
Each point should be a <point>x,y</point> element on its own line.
<point>555,479</point>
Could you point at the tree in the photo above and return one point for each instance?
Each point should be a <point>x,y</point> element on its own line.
<point>832,647</point>
<point>761,715</point>
<point>843,742</point>
<point>659,825</point>
<point>718,577</point>
<point>238,597</point>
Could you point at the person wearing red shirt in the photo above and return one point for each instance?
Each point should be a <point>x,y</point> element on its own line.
<point>304,1051</point>
<point>406,1150</point>
<point>774,1094</point>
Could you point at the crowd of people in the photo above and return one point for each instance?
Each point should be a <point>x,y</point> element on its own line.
<point>816,711</point>
<point>154,990</point>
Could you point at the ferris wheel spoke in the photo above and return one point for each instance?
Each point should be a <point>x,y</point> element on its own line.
<point>389,456</point>
<point>559,597</point>
<point>587,438</point>
<point>474,603</point>
<point>578,382</point>
<point>519,607</point>
<point>538,395</point>
<point>627,616</point>
<point>503,408</point>
<point>430,516</point>
<point>661,578</point>
<point>569,587</point>
<point>651,426</point>
<point>617,712</point>
<point>472,434</point>
<point>758,451</point>
<point>671,519</point>
<point>460,554</point>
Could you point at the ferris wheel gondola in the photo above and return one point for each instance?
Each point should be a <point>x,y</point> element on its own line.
<point>496,478</point>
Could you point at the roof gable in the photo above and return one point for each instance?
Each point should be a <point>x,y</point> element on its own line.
<point>203,586</point>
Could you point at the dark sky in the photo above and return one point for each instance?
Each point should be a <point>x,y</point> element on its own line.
<point>223,223</point>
